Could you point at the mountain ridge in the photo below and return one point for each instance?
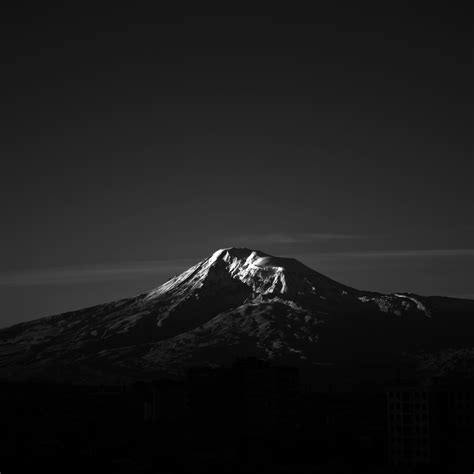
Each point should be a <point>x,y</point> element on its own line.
<point>236,302</point>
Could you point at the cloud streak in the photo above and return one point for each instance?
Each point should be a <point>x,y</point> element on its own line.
<point>418,253</point>
<point>164,269</point>
<point>466,296</point>
<point>94,273</point>
<point>295,238</point>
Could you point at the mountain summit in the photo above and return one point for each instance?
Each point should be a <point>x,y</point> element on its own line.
<point>263,274</point>
<point>237,302</point>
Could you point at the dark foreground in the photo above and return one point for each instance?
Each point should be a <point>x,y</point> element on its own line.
<point>250,417</point>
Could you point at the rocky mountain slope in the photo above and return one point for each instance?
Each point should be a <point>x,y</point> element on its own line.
<point>237,302</point>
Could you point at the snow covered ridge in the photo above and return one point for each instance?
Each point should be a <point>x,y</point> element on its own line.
<point>419,305</point>
<point>397,304</point>
<point>263,273</point>
<point>267,275</point>
<point>236,302</point>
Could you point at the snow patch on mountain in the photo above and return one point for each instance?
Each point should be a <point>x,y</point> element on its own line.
<point>419,305</point>
<point>397,304</point>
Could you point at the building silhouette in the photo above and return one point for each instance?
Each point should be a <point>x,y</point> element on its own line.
<point>431,422</point>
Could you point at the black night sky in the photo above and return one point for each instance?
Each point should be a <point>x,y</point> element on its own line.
<point>135,142</point>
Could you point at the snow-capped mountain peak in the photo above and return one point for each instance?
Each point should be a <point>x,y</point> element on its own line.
<point>264,274</point>
<point>238,301</point>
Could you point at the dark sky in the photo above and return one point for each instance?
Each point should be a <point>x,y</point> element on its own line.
<point>136,142</point>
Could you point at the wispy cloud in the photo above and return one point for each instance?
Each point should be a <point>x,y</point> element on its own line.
<point>163,269</point>
<point>467,296</point>
<point>294,238</point>
<point>94,273</point>
<point>381,254</point>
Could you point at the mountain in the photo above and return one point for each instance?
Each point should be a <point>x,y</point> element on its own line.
<point>237,302</point>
